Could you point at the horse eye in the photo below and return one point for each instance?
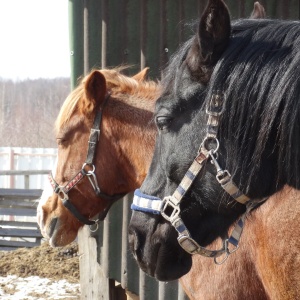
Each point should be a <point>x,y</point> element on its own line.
<point>60,141</point>
<point>162,122</point>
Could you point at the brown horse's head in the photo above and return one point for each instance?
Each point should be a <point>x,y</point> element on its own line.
<point>122,154</point>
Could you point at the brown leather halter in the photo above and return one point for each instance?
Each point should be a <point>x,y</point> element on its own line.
<point>88,169</point>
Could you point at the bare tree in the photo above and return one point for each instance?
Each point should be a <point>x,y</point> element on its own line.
<point>28,110</point>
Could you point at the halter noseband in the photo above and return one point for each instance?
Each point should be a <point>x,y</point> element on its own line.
<point>169,207</point>
<point>88,169</point>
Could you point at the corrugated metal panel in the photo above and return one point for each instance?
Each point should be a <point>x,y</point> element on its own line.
<point>142,32</point>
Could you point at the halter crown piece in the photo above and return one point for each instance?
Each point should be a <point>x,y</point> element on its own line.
<point>88,169</point>
<point>169,207</point>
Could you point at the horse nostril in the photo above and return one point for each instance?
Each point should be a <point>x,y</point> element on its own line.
<point>52,226</point>
<point>134,243</point>
<point>132,239</point>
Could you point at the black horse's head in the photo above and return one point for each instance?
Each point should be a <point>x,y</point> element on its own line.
<point>253,66</point>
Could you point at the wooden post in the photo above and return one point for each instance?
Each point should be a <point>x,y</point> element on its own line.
<point>11,157</point>
<point>26,181</point>
<point>93,282</point>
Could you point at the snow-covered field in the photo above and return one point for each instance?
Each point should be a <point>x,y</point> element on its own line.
<point>37,288</point>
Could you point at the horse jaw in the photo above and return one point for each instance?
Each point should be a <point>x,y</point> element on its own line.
<point>52,229</point>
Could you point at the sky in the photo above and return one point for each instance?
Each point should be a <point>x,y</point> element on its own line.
<point>34,37</point>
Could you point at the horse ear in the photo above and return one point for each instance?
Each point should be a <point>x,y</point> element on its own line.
<point>258,11</point>
<point>142,75</point>
<point>95,87</point>
<point>213,36</point>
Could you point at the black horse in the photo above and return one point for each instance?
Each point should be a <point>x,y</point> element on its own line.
<point>231,99</point>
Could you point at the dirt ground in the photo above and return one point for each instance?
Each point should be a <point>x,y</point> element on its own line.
<point>43,261</point>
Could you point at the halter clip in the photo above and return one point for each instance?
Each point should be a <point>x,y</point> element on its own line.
<point>93,180</point>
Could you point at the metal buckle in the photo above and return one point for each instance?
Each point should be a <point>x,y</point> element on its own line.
<point>223,177</point>
<point>93,131</point>
<point>61,193</point>
<point>188,244</point>
<point>167,205</point>
<point>215,107</point>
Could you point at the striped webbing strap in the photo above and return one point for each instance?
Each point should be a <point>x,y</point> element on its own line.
<point>184,239</point>
<point>214,110</point>
<point>190,175</point>
<point>146,203</point>
<point>155,205</point>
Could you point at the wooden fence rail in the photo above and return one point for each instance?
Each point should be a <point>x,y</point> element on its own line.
<point>16,232</point>
<point>25,173</point>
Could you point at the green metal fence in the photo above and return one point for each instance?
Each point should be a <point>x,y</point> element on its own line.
<point>143,32</point>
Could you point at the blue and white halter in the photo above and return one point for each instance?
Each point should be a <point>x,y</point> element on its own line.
<point>169,207</point>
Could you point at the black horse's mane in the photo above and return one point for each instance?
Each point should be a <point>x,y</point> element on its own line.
<point>259,74</point>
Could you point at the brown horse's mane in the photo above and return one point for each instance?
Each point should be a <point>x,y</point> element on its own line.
<point>118,84</point>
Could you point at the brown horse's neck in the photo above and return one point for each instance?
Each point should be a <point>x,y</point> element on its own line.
<point>132,132</point>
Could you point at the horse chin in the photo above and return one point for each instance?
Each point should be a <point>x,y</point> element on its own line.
<point>170,268</point>
<point>166,263</point>
<point>155,247</point>
<point>57,236</point>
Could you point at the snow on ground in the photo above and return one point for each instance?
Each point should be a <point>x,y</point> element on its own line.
<point>37,288</point>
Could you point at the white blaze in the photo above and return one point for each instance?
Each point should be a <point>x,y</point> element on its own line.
<point>47,192</point>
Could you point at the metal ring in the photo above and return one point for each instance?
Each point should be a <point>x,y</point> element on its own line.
<point>211,139</point>
<point>226,254</point>
<point>89,172</point>
<point>96,226</point>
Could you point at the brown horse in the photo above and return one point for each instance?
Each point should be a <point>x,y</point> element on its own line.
<point>253,272</point>
<point>121,158</point>
<point>130,108</point>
